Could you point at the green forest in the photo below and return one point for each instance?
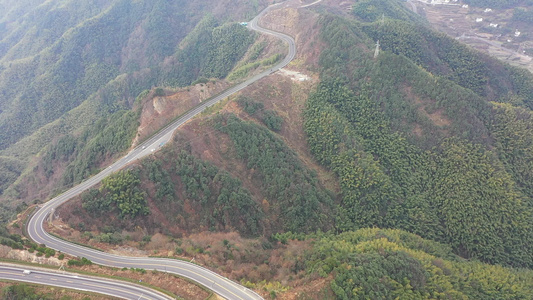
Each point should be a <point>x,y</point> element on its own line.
<point>292,190</point>
<point>394,264</point>
<point>416,138</point>
<point>498,3</point>
<point>214,194</point>
<point>522,15</point>
<point>120,192</point>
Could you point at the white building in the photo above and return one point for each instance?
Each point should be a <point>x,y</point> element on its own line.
<point>479,20</point>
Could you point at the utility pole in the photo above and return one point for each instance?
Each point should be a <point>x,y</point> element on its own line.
<point>376,53</point>
<point>62,268</point>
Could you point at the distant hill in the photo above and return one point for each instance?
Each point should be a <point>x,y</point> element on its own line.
<point>498,3</point>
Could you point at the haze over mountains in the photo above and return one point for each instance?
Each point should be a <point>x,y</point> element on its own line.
<point>345,176</point>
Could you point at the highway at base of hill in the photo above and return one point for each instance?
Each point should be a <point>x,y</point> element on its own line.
<point>74,281</point>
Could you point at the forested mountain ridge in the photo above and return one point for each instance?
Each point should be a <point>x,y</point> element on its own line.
<point>411,137</point>
<point>66,65</point>
<point>272,192</point>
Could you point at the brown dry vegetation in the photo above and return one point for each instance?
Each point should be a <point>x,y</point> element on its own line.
<point>16,226</point>
<point>287,98</point>
<point>37,187</point>
<point>168,282</point>
<point>272,46</point>
<point>158,111</point>
<point>437,116</point>
<point>302,25</point>
<point>278,92</point>
<point>259,263</point>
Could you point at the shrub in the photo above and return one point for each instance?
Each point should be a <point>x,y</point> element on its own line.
<point>159,92</point>
<point>272,120</point>
<point>75,262</point>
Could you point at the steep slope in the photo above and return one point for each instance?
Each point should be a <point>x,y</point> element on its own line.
<point>277,191</point>
<point>266,188</point>
<point>414,145</point>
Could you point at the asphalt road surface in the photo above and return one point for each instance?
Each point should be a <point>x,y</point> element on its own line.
<point>79,282</point>
<point>218,284</point>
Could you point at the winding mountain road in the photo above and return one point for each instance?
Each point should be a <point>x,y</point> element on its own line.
<point>73,281</point>
<point>218,284</point>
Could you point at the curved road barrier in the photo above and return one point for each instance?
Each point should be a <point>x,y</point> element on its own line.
<point>73,281</point>
<point>218,284</point>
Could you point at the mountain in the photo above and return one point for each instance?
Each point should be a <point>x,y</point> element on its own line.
<point>351,174</point>
<point>412,136</point>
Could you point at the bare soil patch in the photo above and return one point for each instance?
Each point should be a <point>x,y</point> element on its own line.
<point>302,25</point>
<point>437,117</point>
<point>256,263</point>
<point>158,111</point>
<point>288,99</point>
